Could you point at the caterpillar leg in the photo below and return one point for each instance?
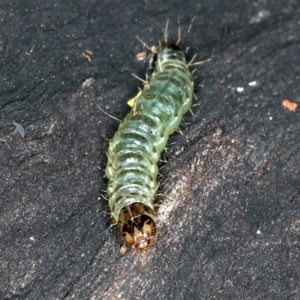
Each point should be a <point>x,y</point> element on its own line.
<point>137,224</point>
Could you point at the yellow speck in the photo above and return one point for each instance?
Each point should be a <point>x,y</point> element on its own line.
<point>132,101</point>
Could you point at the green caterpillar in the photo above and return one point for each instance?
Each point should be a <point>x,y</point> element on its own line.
<point>136,146</point>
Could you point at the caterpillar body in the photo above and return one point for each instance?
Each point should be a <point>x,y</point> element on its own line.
<point>135,149</point>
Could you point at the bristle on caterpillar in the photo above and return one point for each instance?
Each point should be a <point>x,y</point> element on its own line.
<point>135,149</point>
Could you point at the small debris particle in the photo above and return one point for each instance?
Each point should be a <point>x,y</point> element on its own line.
<point>260,16</point>
<point>88,82</point>
<point>141,56</point>
<point>252,83</point>
<point>32,238</point>
<point>240,89</point>
<point>19,128</point>
<point>87,56</point>
<point>123,249</point>
<point>258,231</point>
<point>290,105</point>
<point>270,118</point>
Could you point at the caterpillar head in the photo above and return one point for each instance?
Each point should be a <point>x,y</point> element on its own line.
<point>137,225</point>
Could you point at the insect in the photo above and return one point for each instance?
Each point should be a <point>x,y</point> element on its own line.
<point>135,149</point>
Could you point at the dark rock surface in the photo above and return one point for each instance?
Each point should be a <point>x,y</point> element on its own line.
<point>231,215</point>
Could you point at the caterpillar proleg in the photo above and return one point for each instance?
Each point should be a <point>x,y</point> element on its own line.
<point>135,149</point>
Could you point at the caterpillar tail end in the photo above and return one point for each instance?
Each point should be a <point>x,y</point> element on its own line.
<point>137,224</point>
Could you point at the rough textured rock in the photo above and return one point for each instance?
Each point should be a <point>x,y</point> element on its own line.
<point>230,217</point>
